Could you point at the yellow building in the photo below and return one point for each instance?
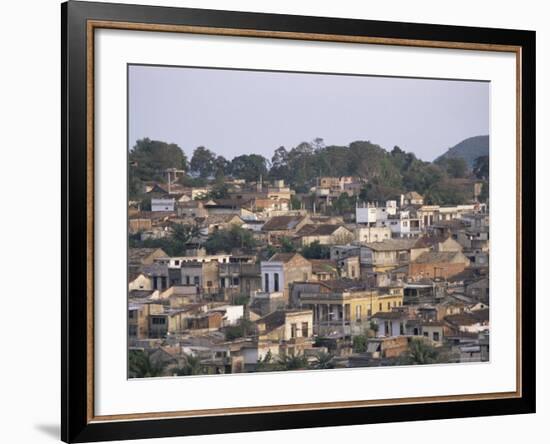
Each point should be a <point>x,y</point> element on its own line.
<point>344,306</point>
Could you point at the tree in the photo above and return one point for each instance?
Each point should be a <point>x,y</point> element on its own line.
<point>183,233</point>
<point>227,240</point>
<point>220,190</point>
<point>203,162</point>
<point>454,166</point>
<point>279,164</point>
<point>191,366</point>
<point>295,203</point>
<point>316,251</point>
<point>221,167</point>
<point>324,361</point>
<point>344,204</point>
<point>292,362</point>
<point>360,344</point>
<point>250,167</point>
<point>243,329</point>
<point>481,167</point>
<point>287,246</point>
<point>149,159</point>
<point>420,352</point>
<point>140,365</point>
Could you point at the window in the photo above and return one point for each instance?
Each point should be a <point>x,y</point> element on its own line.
<point>436,336</point>
<point>380,306</point>
<point>305,329</point>
<point>131,314</point>
<point>158,321</point>
<point>266,283</point>
<point>293,329</point>
<point>358,313</point>
<point>209,283</point>
<point>132,331</point>
<point>401,328</point>
<point>352,272</point>
<point>389,305</point>
<point>187,280</point>
<point>176,263</point>
<point>222,282</point>
<point>276,282</point>
<point>426,334</point>
<point>196,280</point>
<point>235,281</point>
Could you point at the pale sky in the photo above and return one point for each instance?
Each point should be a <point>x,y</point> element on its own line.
<point>234,112</point>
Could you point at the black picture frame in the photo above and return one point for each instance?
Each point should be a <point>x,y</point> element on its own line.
<point>76,424</point>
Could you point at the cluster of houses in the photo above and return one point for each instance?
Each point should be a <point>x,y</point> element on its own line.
<point>389,274</point>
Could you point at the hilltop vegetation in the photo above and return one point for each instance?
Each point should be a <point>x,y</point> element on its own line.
<point>386,174</point>
<point>469,150</point>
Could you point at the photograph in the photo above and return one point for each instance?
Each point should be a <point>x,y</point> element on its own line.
<point>305,221</point>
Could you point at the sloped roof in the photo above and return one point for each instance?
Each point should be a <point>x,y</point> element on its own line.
<point>432,257</point>
<point>393,245</point>
<point>318,230</point>
<point>137,255</point>
<point>323,265</point>
<point>285,257</point>
<point>282,223</point>
<point>413,195</point>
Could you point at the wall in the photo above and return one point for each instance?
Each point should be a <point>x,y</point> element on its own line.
<point>30,93</point>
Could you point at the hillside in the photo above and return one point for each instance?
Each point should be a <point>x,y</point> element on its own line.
<point>469,149</point>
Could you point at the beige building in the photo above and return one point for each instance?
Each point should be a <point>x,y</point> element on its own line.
<point>281,270</point>
<point>324,234</point>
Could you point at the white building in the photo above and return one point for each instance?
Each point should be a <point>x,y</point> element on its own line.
<point>163,204</point>
<point>373,214</point>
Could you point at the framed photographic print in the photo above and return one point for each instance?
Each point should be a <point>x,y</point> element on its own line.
<point>275,221</point>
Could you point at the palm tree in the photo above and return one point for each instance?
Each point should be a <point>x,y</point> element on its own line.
<point>293,362</point>
<point>420,352</point>
<point>140,365</point>
<point>192,366</point>
<point>324,361</point>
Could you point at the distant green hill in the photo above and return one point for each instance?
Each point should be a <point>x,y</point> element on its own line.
<point>469,149</point>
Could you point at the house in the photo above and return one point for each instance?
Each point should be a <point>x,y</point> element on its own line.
<point>350,267</point>
<point>403,224</point>
<point>137,224</point>
<point>290,329</point>
<point>163,204</point>
<point>338,252</point>
<point>281,270</point>
<point>391,323</point>
<point>390,253</point>
<point>283,226</point>
<point>373,215</point>
<point>138,257</point>
<point>216,222</point>
<point>343,306</point>
<point>440,243</point>
<point>140,314</point>
<point>411,198</point>
<point>324,234</point>
<point>371,234</point>
<point>192,208</point>
<point>323,269</point>
<point>434,264</point>
<point>203,275</point>
<point>469,322</point>
<point>138,281</point>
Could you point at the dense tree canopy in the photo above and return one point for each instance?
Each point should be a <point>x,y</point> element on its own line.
<point>203,162</point>
<point>149,160</point>
<point>249,167</point>
<point>227,240</point>
<point>386,174</point>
